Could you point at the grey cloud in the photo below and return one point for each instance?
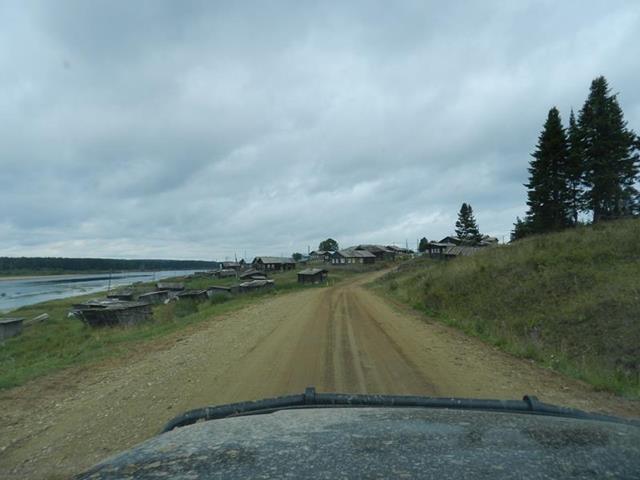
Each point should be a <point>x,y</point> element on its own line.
<point>204,129</point>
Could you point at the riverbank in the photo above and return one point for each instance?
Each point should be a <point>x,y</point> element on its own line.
<point>61,341</point>
<point>23,291</point>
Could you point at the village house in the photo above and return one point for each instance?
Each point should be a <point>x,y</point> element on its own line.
<point>319,256</point>
<point>273,263</point>
<point>437,249</point>
<point>400,250</point>
<point>451,240</point>
<point>380,252</point>
<point>351,256</point>
<point>312,275</point>
<point>236,266</point>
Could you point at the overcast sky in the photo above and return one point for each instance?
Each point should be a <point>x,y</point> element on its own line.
<point>203,129</point>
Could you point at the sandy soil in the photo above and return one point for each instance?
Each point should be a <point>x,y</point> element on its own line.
<point>343,339</point>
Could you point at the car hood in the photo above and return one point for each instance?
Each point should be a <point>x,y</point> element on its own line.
<point>383,442</point>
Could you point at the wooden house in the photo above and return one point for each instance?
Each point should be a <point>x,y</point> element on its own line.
<point>10,327</point>
<point>273,263</point>
<point>312,275</point>
<point>380,252</point>
<point>352,256</point>
<point>236,266</point>
<point>320,256</point>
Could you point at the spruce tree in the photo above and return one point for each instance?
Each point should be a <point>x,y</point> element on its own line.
<point>548,195</point>
<point>520,229</point>
<point>423,245</point>
<point>610,153</point>
<point>466,225</point>
<point>574,170</point>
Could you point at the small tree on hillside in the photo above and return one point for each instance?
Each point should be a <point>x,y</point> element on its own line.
<point>422,246</point>
<point>297,256</point>
<point>521,229</point>
<point>466,225</point>
<point>329,245</point>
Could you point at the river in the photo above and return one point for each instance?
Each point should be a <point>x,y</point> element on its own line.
<point>20,291</point>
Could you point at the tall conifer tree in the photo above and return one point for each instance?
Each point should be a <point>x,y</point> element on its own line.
<point>548,193</point>
<point>610,155</point>
<point>466,225</point>
<point>574,170</point>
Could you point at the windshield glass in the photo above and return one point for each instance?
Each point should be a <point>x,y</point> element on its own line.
<point>211,202</point>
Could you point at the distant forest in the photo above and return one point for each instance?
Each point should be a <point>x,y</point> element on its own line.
<point>17,265</point>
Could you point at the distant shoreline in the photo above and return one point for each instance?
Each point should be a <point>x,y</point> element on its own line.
<point>26,276</point>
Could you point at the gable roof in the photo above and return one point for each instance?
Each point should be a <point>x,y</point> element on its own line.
<point>353,253</point>
<point>312,271</point>
<point>374,248</point>
<point>461,250</point>
<point>273,260</point>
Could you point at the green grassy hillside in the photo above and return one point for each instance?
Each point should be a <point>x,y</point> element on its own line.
<point>569,300</point>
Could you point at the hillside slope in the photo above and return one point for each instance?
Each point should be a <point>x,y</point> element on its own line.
<point>569,300</point>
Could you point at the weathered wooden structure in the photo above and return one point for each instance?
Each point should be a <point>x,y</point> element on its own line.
<point>352,256</point>
<point>381,252</point>
<point>195,295</point>
<point>236,266</point>
<point>10,327</point>
<point>171,286</point>
<point>312,275</point>
<point>273,263</point>
<point>320,256</point>
<point>99,313</point>
<point>448,250</point>
<point>461,251</point>
<point>256,285</point>
<point>253,274</point>
<point>126,295</point>
<point>452,240</point>
<point>437,249</point>
<point>154,298</point>
<point>224,273</point>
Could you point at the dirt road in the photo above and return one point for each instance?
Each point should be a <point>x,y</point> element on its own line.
<point>343,339</point>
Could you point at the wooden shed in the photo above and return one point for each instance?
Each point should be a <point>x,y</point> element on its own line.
<point>153,298</point>
<point>195,295</point>
<point>113,312</point>
<point>172,286</point>
<point>10,327</point>
<point>312,275</point>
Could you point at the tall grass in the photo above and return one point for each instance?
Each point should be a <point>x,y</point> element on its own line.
<point>569,300</point>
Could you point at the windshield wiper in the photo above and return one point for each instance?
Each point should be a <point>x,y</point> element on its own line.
<point>311,399</point>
